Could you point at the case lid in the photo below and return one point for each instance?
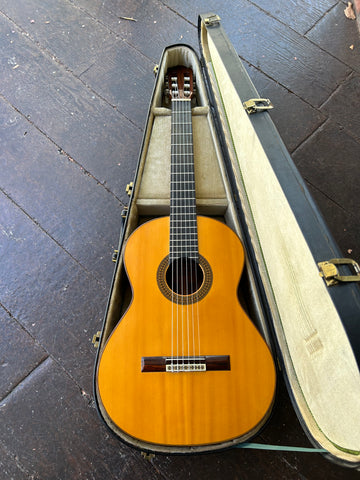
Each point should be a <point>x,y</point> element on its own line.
<point>316,326</point>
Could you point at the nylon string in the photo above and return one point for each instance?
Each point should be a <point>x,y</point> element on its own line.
<point>184,318</point>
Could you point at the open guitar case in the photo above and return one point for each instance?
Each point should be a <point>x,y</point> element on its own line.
<point>302,296</point>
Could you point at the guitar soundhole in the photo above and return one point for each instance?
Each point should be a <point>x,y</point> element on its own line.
<point>184,281</point>
<point>184,276</point>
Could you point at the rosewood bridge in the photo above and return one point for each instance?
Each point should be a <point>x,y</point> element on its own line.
<point>185,364</point>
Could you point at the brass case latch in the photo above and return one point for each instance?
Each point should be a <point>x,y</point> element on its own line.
<point>331,274</point>
<point>115,255</point>
<point>212,20</point>
<point>96,339</point>
<point>254,105</point>
<point>124,212</point>
<point>129,188</point>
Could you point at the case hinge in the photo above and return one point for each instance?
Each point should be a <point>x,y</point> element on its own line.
<point>96,339</point>
<point>129,188</point>
<point>212,20</point>
<point>254,105</point>
<point>115,256</point>
<point>330,272</point>
<point>148,456</point>
<point>124,212</point>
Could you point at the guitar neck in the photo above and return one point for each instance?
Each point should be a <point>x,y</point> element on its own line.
<point>183,223</point>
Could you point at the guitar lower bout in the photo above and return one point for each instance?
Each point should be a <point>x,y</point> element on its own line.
<point>180,373</point>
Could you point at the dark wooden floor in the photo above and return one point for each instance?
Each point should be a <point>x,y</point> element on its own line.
<point>76,79</point>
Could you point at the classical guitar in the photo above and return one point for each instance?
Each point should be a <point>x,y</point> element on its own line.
<point>185,366</point>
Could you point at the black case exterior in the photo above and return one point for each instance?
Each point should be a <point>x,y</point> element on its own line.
<point>345,296</point>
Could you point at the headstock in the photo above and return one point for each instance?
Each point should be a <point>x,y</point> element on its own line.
<point>179,83</point>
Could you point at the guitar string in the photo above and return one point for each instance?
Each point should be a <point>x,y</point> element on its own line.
<point>190,217</point>
<point>171,260</point>
<point>180,211</point>
<point>182,254</point>
<point>196,301</point>
<point>187,209</point>
<point>183,179</point>
<point>180,208</point>
<point>172,250</point>
<point>197,259</point>
<point>189,234</point>
<point>173,186</point>
<point>184,244</point>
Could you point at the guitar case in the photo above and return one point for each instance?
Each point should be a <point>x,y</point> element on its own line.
<point>301,294</point>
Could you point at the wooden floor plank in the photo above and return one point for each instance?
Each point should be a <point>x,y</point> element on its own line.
<point>343,106</point>
<point>49,294</point>
<point>90,50</point>
<point>287,109</point>
<point>15,367</point>
<point>9,465</point>
<point>78,121</point>
<point>55,192</point>
<point>74,38</point>
<point>300,15</point>
<point>329,162</point>
<point>125,78</point>
<point>154,27</point>
<point>63,436</point>
<point>73,99</point>
<point>339,36</point>
<point>274,48</point>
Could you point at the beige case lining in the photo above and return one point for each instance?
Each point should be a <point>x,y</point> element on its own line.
<point>318,357</point>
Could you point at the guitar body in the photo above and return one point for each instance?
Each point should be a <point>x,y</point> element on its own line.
<point>185,408</point>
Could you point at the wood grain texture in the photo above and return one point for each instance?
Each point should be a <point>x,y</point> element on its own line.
<point>13,367</point>
<point>50,406</point>
<point>300,15</point>
<point>91,50</point>
<point>329,162</point>
<point>47,436</point>
<point>273,47</point>
<point>194,408</point>
<point>339,36</point>
<point>55,180</point>
<point>46,291</point>
<point>154,26</point>
<point>75,38</point>
<point>286,111</point>
<point>79,122</point>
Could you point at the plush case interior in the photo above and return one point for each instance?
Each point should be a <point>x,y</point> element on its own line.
<point>319,363</point>
<point>151,193</point>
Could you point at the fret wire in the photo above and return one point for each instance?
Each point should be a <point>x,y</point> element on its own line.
<point>183,222</point>
<point>175,220</point>
<point>187,190</point>
<point>187,216</point>
<point>191,243</point>
<point>185,228</point>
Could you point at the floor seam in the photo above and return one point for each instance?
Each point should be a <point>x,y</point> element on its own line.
<point>311,134</point>
<point>321,18</point>
<point>38,225</point>
<point>20,383</point>
<point>48,54</point>
<point>61,150</point>
<point>348,77</point>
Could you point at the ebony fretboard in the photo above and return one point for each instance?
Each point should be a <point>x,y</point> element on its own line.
<point>183,224</point>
